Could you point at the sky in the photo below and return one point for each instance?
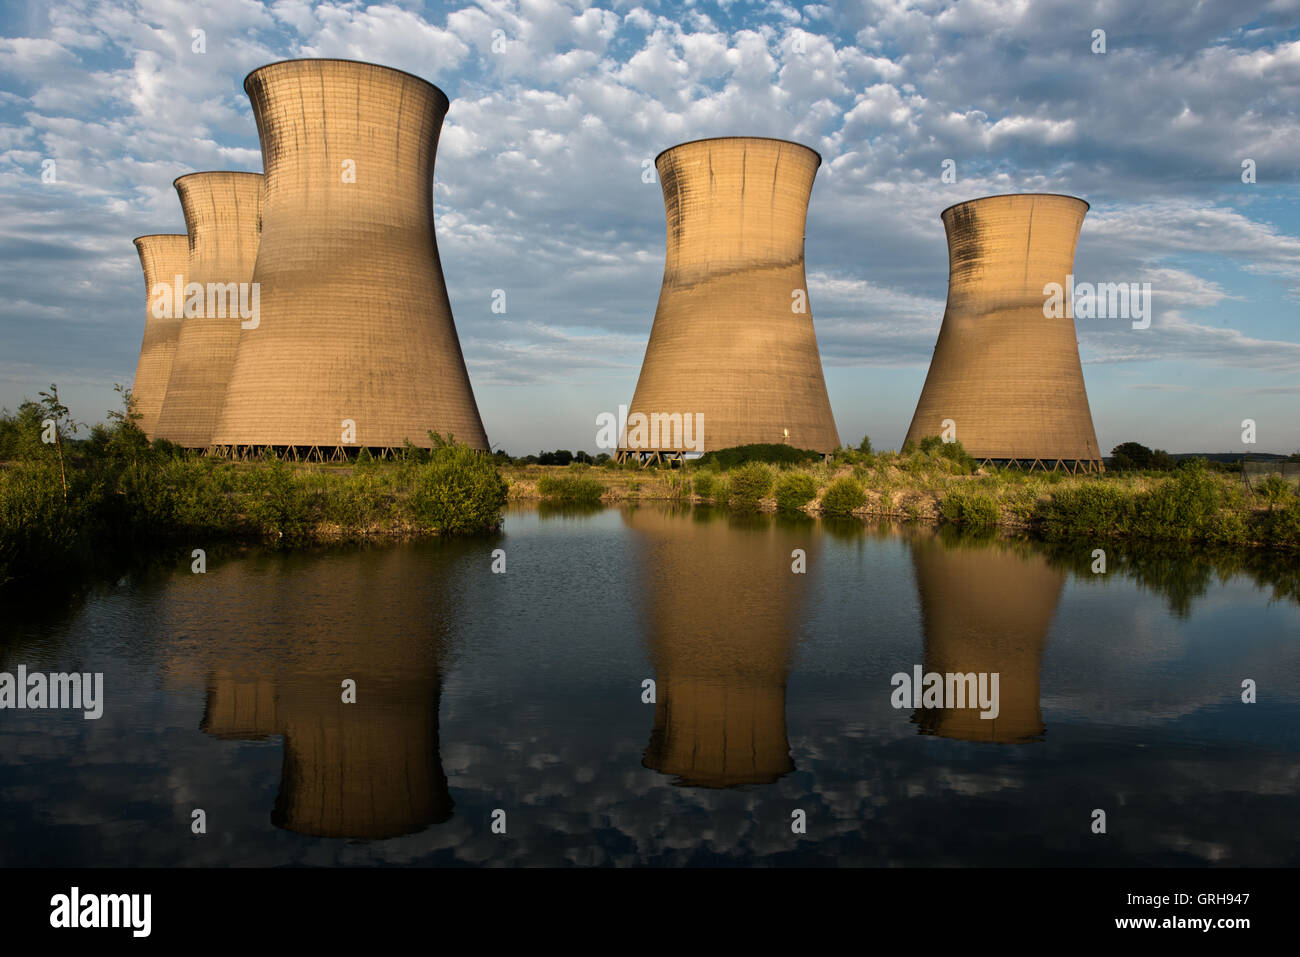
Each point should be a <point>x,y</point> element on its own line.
<point>538,188</point>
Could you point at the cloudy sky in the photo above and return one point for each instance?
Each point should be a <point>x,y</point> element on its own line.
<point>538,188</point>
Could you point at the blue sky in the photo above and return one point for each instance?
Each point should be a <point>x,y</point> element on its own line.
<point>538,186</point>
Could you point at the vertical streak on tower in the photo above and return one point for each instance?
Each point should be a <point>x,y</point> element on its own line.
<point>733,337</point>
<point>355,324</point>
<point>1008,376</point>
<point>222,215</point>
<point>163,257</point>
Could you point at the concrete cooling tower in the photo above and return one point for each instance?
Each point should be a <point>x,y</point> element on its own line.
<point>732,357</point>
<point>163,257</point>
<point>1007,376</point>
<point>222,214</point>
<point>356,345</point>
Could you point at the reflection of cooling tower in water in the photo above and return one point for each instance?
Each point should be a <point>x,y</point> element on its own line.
<point>163,257</point>
<point>986,609</point>
<point>223,217</point>
<point>364,770</point>
<point>369,769</point>
<point>733,339</point>
<point>721,624</point>
<point>1007,376</point>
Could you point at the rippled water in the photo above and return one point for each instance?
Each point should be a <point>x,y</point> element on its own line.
<point>522,693</point>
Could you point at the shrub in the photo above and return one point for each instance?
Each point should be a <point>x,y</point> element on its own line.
<point>1274,490</point>
<point>38,530</point>
<point>795,490</point>
<point>843,497</point>
<point>458,492</point>
<point>1094,508</point>
<point>957,460</point>
<point>772,453</point>
<point>703,483</point>
<point>570,489</point>
<point>357,503</point>
<point>1182,507</point>
<point>277,502</point>
<point>749,483</point>
<point>1282,526</point>
<point>962,506</point>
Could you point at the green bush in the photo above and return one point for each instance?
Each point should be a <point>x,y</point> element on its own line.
<point>458,492</point>
<point>771,453</point>
<point>1273,490</point>
<point>20,435</point>
<point>703,483</point>
<point>38,530</point>
<point>1282,526</point>
<point>749,483</point>
<point>795,490</point>
<point>1095,508</point>
<point>277,502</point>
<point>570,489</point>
<point>951,454</point>
<point>358,503</point>
<point>1195,505</point>
<point>969,507</point>
<point>843,497</point>
<point>1183,507</point>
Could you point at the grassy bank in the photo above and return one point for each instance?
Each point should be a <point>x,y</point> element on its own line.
<point>941,484</point>
<point>63,500</point>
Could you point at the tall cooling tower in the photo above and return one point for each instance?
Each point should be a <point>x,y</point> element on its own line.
<point>1006,375</point>
<point>356,344</point>
<point>733,338</point>
<point>222,214</point>
<point>163,257</point>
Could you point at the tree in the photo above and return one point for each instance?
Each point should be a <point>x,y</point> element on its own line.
<point>57,412</point>
<point>865,445</point>
<point>1162,460</point>
<point>1130,455</point>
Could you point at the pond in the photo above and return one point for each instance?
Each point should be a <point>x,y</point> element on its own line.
<point>659,686</point>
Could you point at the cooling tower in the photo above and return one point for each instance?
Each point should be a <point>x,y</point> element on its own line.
<point>986,609</point>
<point>1006,375</point>
<point>733,341</point>
<point>163,257</point>
<point>356,344</point>
<point>222,214</point>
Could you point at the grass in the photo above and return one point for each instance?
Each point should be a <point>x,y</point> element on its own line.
<point>122,491</point>
<point>938,482</point>
<point>570,489</point>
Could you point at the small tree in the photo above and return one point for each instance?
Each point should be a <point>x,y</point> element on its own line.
<point>1130,455</point>
<point>865,445</point>
<point>57,412</point>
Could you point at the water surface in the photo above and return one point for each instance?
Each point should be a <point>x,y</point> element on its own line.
<point>522,693</point>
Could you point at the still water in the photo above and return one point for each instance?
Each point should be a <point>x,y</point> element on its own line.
<point>518,698</point>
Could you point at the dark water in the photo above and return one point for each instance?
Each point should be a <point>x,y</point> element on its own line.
<point>522,692</point>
